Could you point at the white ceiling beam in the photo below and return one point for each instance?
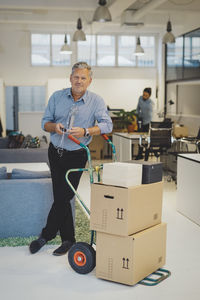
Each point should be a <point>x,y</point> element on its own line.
<point>146,9</point>
<point>119,6</point>
<point>45,8</point>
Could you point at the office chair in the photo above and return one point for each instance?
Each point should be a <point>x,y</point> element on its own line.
<point>167,123</point>
<point>159,141</point>
<point>193,140</point>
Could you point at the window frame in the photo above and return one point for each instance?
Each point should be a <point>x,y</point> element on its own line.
<point>50,50</point>
<point>74,47</point>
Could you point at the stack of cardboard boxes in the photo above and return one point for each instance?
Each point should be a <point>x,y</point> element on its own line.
<point>126,211</point>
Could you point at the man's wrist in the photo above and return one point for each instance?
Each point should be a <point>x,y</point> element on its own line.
<point>86,134</point>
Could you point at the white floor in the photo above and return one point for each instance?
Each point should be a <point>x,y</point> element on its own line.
<point>44,276</point>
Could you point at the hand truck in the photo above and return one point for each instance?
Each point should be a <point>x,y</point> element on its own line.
<point>82,256</point>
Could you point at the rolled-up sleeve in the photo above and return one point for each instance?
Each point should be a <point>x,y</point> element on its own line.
<point>102,117</point>
<point>49,112</point>
<point>138,107</point>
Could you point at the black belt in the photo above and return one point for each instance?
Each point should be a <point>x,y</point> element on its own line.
<point>67,151</point>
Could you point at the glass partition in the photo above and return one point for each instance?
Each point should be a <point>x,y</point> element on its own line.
<point>183,57</point>
<point>175,60</point>
<point>192,55</point>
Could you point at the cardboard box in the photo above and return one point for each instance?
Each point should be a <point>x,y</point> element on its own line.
<point>130,259</point>
<point>151,170</point>
<point>96,147</point>
<point>124,211</point>
<point>122,174</point>
<point>180,131</point>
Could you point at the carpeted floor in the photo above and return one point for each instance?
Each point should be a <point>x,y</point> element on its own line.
<point>81,229</point>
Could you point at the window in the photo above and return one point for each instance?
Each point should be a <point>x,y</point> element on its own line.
<point>192,56</point>
<point>40,49</point>
<point>126,46</point>
<point>87,50</point>
<point>148,59</point>
<point>183,57</point>
<point>175,59</point>
<point>57,57</point>
<point>105,50</point>
<point>23,99</point>
<point>98,50</point>
<point>46,50</point>
<point>31,98</point>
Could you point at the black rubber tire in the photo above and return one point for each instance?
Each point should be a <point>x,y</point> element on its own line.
<point>90,257</point>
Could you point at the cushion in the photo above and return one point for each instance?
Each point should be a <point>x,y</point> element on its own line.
<point>3,142</point>
<point>25,174</point>
<point>3,173</point>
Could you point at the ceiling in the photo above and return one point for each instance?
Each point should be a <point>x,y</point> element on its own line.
<point>136,16</point>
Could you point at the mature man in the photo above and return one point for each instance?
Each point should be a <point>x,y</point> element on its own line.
<point>81,113</point>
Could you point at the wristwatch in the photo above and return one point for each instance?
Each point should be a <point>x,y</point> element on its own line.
<point>87,134</point>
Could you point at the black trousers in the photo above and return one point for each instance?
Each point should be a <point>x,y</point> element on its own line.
<point>60,216</point>
<point>144,128</point>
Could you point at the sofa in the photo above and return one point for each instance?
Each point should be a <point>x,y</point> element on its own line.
<point>25,201</point>
<point>20,155</point>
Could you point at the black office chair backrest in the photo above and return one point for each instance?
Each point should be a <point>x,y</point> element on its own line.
<point>160,137</point>
<point>167,123</point>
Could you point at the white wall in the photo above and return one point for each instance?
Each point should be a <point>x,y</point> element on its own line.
<point>117,93</point>
<point>189,99</point>
<point>186,107</point>
<point>30,123</point>
<point>171,95</point>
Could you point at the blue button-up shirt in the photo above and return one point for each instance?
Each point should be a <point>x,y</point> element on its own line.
<point>90,110</point>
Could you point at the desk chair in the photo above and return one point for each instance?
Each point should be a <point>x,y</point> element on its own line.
<point>193,140</point>
<point>167,123</point>
<point>159,141</point>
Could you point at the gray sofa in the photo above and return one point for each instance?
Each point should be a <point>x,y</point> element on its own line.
<point>20,155</point>
<point>24,206</point>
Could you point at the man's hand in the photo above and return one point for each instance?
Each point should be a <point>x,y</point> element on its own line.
<point>59,128</point>
<point>77,132</point>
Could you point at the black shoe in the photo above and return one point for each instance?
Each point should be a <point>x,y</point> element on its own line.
<point>66,245</point>
<point>36,245</point>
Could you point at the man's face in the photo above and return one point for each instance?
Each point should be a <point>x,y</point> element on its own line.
<point>145,96</point>
<point>80,80</point>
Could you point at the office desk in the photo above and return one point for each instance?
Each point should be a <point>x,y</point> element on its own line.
<point>188,170</point>
<point>123,143</point>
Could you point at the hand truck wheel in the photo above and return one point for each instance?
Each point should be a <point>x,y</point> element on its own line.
<point>82,257</point>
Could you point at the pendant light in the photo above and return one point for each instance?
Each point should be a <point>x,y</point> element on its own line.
<point>79,35</point>
<point>139,51</point>
<point>169,37</point>
<point>102,13</point>
<point>65,49</point>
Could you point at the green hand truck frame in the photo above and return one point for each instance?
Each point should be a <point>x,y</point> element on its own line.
<point>82,256</point>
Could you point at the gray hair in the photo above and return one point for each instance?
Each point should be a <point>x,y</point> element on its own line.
<point>82,65</point>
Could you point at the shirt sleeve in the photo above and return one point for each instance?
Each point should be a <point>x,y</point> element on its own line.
<point>102,117</point>
<point>138,107</point>
<point>49,112</point>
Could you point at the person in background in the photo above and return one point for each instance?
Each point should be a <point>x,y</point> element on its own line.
<point>145,114</point>
<point>81,113</point>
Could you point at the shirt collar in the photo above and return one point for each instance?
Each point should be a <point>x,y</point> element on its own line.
<point>83,98</point>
